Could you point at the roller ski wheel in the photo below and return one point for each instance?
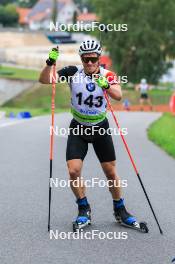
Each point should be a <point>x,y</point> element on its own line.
<point>142,226</point>
<point>78,226</point>
<point>83,219</point>
<point>125,219</point>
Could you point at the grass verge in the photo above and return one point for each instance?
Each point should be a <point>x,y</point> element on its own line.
<point>162,133</point>
<point>33,111</point>
<point>40,97</point>
<point>18,73</point>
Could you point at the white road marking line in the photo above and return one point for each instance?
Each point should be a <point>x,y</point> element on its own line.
<point>12,123</point>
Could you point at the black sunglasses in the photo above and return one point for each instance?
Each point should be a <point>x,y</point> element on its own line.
<point>88,59</point>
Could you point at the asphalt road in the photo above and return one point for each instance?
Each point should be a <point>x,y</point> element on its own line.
<point>24,170</point>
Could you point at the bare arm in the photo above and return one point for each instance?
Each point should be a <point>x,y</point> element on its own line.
<point>115,92</point>
<point>45,75</point>
<point>137,87</point>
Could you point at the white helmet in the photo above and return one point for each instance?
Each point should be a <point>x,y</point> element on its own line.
<point>90,46</point>
<point>143,81</point>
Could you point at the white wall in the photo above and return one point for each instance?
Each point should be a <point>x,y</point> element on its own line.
<point>170,75</point>
<point>66,14</point>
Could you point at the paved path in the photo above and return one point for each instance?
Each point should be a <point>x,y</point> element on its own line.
<point>24,167</point>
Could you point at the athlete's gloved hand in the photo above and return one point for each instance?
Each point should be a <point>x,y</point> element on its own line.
<point>103,82</point>
<point>53,56</point>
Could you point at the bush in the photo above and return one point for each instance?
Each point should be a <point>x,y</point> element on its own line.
<point>8,15</point>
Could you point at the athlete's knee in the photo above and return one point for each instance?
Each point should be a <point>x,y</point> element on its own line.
<point>109,169</point>
<point>111,175</point>
<point>74,168</point>
<point>74,172</point>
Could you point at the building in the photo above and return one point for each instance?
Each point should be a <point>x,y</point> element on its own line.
<point>41,14</point>
<point>23,15</point>
<point>86,17</point>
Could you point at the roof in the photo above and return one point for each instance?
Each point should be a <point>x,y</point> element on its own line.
<point>87,17</point>
<point>65,1</point>
<point>40,16</point>
<point>42,5</point>
<point>23,13</point>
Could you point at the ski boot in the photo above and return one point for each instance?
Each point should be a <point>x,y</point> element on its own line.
<point>126,219</point>
<point>83,219</point>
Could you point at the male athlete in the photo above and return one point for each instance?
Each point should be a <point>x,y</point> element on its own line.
<point>144,87</point>
<point>89,107</point>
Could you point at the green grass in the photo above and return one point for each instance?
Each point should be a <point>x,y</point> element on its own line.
<point>157,96</point>
<point>38,100</point>
<point>162,133</point>
<point>33,111</point>
<point>159,86</point>
<point>40,97</point>
<point>160,96</point>
<point>17,73</point>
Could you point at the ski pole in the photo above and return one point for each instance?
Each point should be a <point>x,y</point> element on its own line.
<point>132,160</point>
<point>52,139</point>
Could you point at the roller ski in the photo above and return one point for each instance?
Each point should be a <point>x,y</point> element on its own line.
<point>125,219</point>
<point>83,219</point>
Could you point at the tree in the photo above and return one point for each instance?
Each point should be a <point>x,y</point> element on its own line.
<point>84,3</point>
<point>5,2</point>
<point>54,11</point>
<point>144,49</point>
<point>75,17</point>
<point>26,3</point>
<point>8,15</point>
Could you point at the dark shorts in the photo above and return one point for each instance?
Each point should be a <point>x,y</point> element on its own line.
<point>144,96</point>
<point>77,145</point>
